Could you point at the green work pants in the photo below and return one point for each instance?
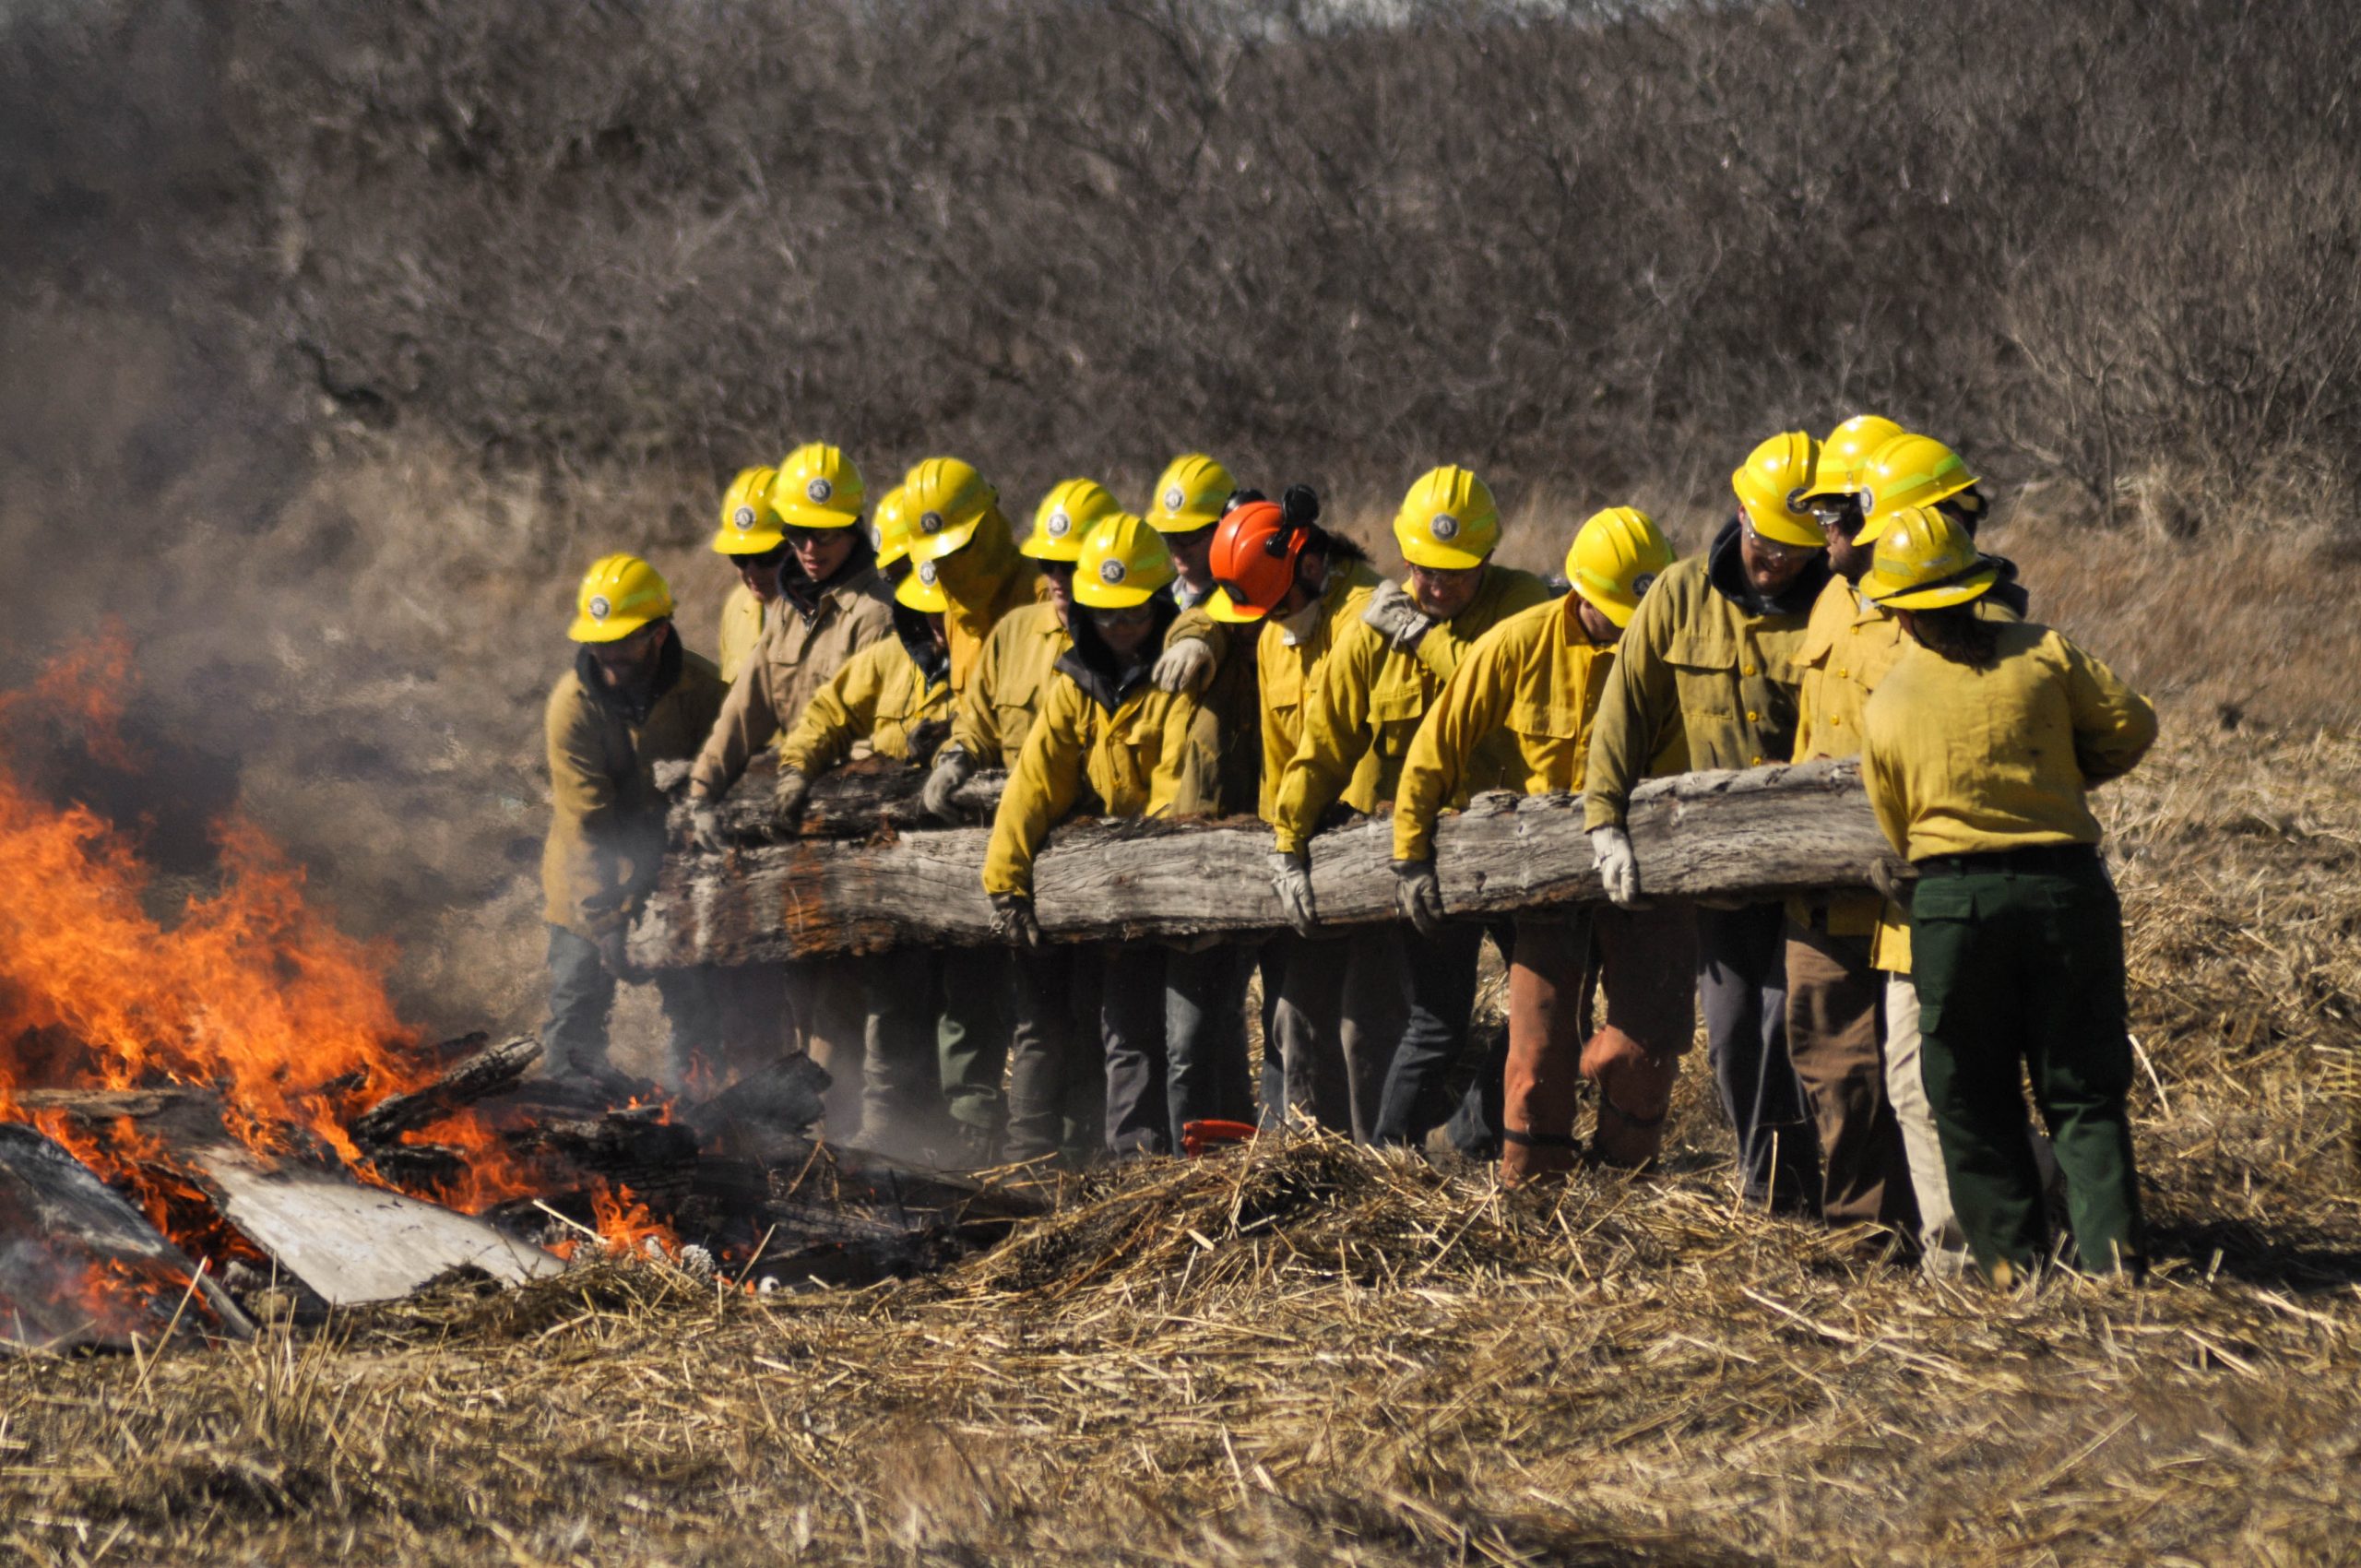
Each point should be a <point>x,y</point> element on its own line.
<point>2018,965</point>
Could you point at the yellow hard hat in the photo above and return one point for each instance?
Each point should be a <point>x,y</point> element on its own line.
<point>1771,485</point>
<point>1191,495</point>
<point>1844,455</point>
<point>922,588</point>
<point>1614,558</point>
<point>1447,520</point>
<point>946,499</point>
<point>1065,517</point>
<point>1909,470</point>
<point>1222,607</point>
<point>892,520</point>
<point>1122,563</point>
<point>749,522</point>
<point>619,595</point>
<point>817,487</point>
<point>1926,561</point>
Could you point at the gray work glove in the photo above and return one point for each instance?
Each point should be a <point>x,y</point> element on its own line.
<point>1186,665</point>
<point>1894,879</point>
<point>1291,880</point>
<point>1418,892</point>
<point>1397,616</point>
<point>705,823</point>
<point>952,767</point>
<point>1013,920</point>
<point>788,797</point>
<point>1610,849</point>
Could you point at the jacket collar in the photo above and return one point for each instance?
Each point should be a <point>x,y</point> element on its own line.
<point>917,637</point>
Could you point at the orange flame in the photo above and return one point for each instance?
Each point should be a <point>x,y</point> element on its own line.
<point>625,1227</point>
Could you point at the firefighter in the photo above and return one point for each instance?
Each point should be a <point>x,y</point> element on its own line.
<point>634,698</point>
<point>1056,1091</point>
<point>893,698</point>
<point>1205,988</point>
<point>1532,686</point>
<point>1340,1001</point>
<point>1980,749</point>
<point>750,536</point>
<point>1385,671</point>
<point>956,522</point>
<point>1106,730</point>
<point>1848,647</point>
<point>1834,994</point>
<point>1707,662</point>
<point>832,605</point>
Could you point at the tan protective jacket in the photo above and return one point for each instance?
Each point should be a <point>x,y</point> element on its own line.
<point>1367,698</point>
<point>1696,665</point>
<point>606,832</point>
<point>1234,698</point>
<point>994,714</point>
<point>1284,671</point>
<point>796,654</point>
<point>741,630</point>
<point>984,579</point>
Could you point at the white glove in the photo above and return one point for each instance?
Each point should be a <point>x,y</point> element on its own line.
<point>1291,880</point>
<point>1186,665</point>
<point>1397,616</point>
<point>952,767</point>
<point>705,825</point>
<point>788,796</point>
<point>1610,849</point>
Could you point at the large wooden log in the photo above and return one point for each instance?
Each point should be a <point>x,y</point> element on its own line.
<point>861,799</point>
<point>477,1076</point>
<point>1760,834</point>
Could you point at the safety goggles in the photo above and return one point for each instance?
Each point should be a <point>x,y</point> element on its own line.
<point>1136,615</point>
<point>1776,550</point>
<point>768,560</point>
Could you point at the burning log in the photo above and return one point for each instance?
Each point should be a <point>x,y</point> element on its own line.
<point>1759,833</point>
<point>479,1075</point>
<point>80,1266</point>
<point>766,1114</point>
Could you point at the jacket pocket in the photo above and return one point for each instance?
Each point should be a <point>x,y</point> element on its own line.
<point>1704,671</point>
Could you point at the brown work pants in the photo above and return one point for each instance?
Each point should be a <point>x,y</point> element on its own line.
<point>1646,961</point>
<point>1834,1018</point>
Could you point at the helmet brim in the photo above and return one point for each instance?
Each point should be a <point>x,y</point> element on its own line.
<point>1036,548</point>
<point>1129,594</point>
<point>1784,530</point>
<point>1614,609</point>
<point>1932,596</point>
<point>614,629</point>
<point>1421,551</point>
<point>914,592</point>
<point>935,546</point>
<point>1181,523</point>
<point>1227,611</point>
<point>747,542</point>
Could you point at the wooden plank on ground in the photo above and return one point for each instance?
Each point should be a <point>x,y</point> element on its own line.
<point>351,1243</point>
<point>1760,834</point>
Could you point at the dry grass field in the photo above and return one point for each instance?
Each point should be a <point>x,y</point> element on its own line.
<point>1312,1354</point>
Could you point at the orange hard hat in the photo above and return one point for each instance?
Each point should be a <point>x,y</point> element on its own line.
<point>1253,560</point>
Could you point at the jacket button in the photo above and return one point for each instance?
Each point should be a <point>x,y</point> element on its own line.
<point>1749,670</point>
<point>1756,763</point>
<point>1752,717</point>
<point>1841,674</point>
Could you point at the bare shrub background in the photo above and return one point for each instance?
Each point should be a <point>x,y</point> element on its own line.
<point>339,335</point>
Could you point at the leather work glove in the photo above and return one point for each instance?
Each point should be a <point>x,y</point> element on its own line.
<point>1013,920</point>
<point>705,825</point>
<point>1291,880</point>
<point>952,767</point>
<point>1186,665</point>
<point>1610,849</point>
<point>1895,880</point>
<point>788,797</point>
<point>1418,895</point>
<point>1397,617</point>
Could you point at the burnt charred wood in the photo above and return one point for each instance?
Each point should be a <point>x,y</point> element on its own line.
<point>476,1076</point>
<point>641,1150</point>
<point>774,1105</point>
<point>80,1268</point>
<point>1757,834</point>
<point>861,799</point>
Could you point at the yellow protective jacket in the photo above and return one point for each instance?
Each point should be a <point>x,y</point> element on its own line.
<point>1961,761</point>
<point>1517,715</point>
<point>606,818</point>
<point>801,648</point>
<point>1367,699</point>
<point>741,630</point>
<point>994,713</point>
<point>1849,644</point>
<point>1234,698</point>
<point>1705,663</point>
<point>1124,749</point>
<point>881,696</point>
<point>984,579</point>
<point>1284,668</point>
